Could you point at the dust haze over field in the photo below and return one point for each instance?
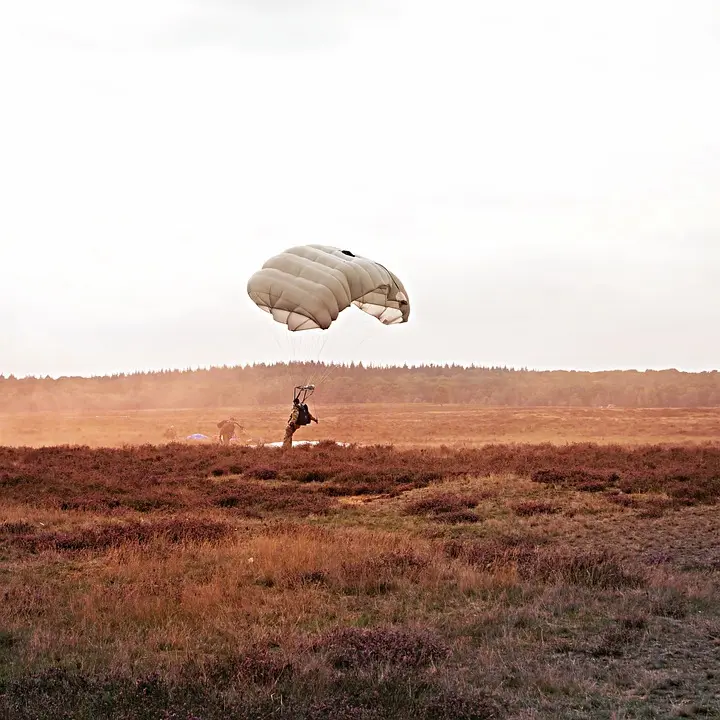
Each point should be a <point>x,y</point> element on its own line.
<point>509,506</point>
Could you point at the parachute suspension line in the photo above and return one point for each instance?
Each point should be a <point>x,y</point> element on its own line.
<point>289,355</point>
<point>302,392</point>
<point>317,348</point>
<point>331,369</point>
<point>317,367</point>
<point>283,351</point>
<point>286,355</point>
<point>304,349</point>
<point>323,370</point>
<point>361,339</point>
<point>301,355</point>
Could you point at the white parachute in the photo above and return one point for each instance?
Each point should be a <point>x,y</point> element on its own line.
<point>308,286</point>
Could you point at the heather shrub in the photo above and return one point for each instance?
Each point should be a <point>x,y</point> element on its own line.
<point>592,568</point>
<point>254,500</point>
<point>83,478</point>
<point>438,503</point>
<point>534,507</point>
<point>107,535</point>
<point>351,648</point>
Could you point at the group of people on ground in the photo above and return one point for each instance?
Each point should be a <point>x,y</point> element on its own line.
<point>299,415</point>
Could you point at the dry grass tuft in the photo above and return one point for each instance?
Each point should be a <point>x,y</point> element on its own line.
<point>104,536</point>
<point>590,568</point>
<point>350,562</point>
<point>534,507</point>
<point>445,507</point>
<point>362,648</point>
<point>15,528</point>
<point>253,499</point>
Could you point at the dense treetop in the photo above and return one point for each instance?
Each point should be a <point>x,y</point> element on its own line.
<point>272,384</point>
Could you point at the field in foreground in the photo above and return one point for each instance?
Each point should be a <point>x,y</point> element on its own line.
<point>507,581</point>
<point>401,425</point>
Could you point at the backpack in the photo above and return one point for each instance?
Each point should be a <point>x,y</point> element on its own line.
<point>303,415</point>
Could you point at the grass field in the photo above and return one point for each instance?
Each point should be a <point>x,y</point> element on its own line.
<point>572,579</point>
<point>401,425</point>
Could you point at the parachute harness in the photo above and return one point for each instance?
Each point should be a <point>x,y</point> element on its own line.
<point>303,392</point>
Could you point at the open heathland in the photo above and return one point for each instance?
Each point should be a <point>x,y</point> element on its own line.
<point>502,581</point>
<point>402,425</point>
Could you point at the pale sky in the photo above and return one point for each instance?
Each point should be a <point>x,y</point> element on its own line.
<point>543,176</point>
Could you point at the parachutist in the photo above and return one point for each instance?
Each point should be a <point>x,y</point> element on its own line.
<point>227,430</point>
<point>171,434</point>
<point>306,287</point>
<point>299,416</point>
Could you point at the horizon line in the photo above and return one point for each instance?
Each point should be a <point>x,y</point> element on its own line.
<point>351,364</point>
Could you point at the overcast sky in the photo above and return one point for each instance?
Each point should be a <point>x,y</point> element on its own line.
<point>543,176</point>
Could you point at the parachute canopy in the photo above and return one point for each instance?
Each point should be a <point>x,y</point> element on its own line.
<point>306,287</point>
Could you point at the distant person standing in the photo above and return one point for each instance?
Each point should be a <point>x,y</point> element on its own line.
<point>171,434</point>
<point>227,430</point>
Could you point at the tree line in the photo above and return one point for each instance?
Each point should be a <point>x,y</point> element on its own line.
<point>261,384</point>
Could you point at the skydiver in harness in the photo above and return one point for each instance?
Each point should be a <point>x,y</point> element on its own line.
<point>300,414</point>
